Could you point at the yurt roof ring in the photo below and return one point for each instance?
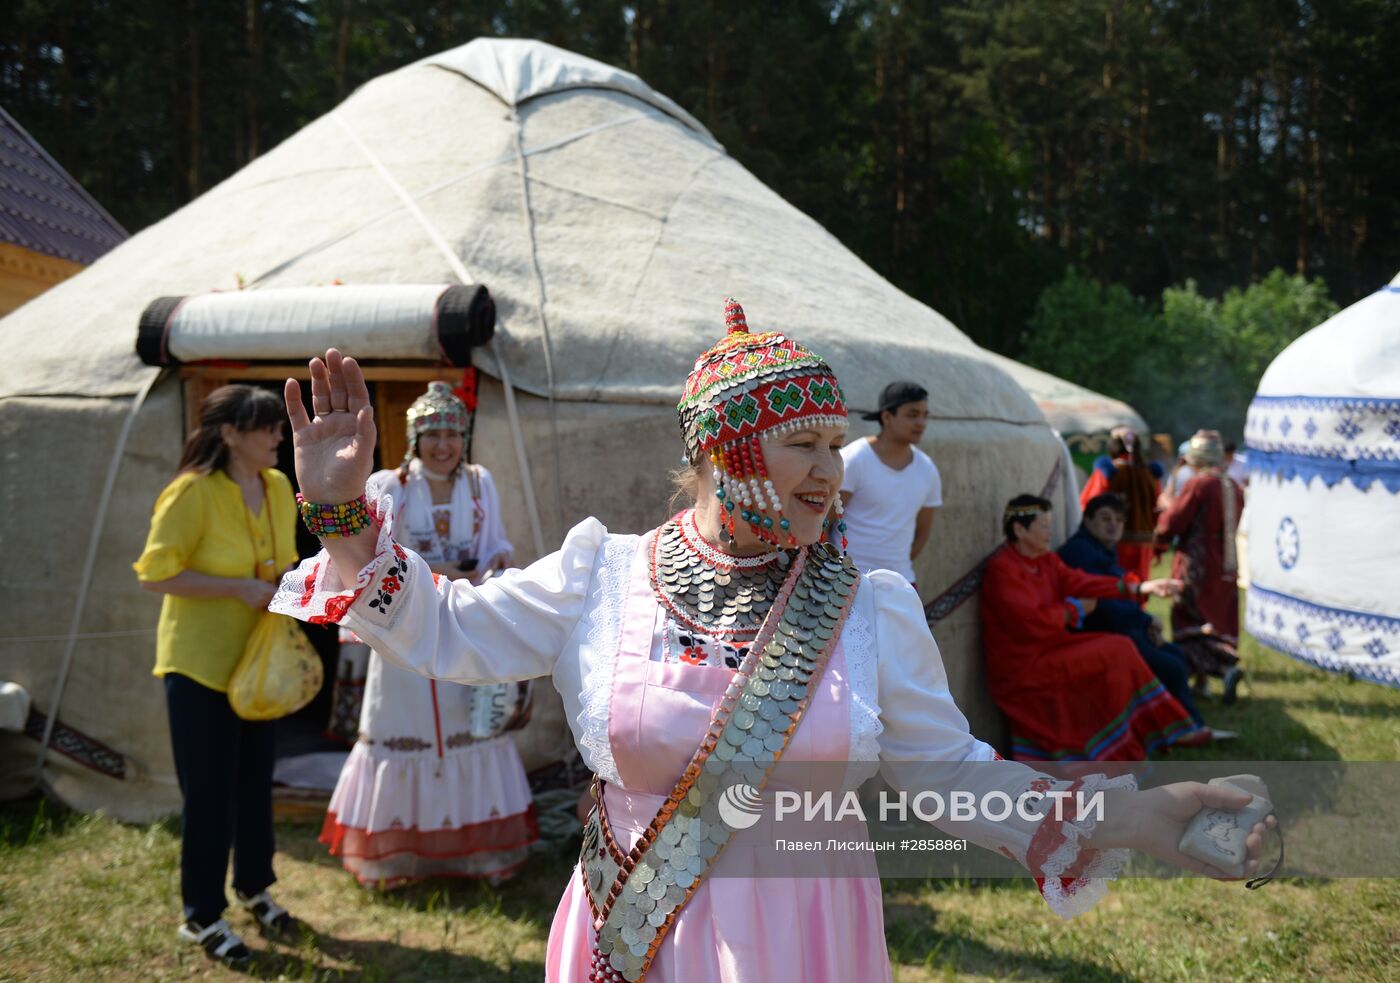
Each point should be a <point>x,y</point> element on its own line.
<point>516,71</point>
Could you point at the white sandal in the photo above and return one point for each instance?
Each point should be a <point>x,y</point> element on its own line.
<point>272,917</point>
<point>219,940</point>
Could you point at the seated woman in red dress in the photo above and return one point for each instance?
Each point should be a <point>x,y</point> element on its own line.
<point>1069,695</point>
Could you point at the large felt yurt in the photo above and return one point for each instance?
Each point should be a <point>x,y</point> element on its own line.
<point>1084,418</point>
<point>1323,434</point>
<point>607,225</point>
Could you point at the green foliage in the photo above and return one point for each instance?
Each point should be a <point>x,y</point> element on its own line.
<point>1264,317</point>
<point>1187,376</point>
<point>1084,330</point>
<point>979,244</point>
<point>1221,349</point>
<point>1192,362</point>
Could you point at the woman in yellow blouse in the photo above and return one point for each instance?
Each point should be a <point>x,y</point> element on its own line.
<point>221,534</point>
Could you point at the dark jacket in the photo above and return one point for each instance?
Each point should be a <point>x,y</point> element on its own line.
<point>1083,552</point>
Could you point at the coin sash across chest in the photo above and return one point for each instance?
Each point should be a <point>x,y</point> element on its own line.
<point>635,897</point>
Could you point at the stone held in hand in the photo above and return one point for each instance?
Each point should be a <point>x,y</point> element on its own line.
<point>1217,836</point>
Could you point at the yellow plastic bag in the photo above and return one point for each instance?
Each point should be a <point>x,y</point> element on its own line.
<point>279,672</point>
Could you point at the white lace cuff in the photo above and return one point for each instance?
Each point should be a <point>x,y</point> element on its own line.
<point>608,601</point>
<point>1072,876</point>
<point>303,594</point>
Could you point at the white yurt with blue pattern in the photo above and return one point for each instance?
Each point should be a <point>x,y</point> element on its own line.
<point>1323,434</point>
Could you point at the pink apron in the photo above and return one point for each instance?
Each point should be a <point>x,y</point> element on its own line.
<point>733,929</point>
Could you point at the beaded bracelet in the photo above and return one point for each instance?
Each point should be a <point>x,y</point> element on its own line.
<point>332,521</point>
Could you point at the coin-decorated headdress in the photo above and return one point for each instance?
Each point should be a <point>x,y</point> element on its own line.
<point>748,385</point>
<point>436,409</point>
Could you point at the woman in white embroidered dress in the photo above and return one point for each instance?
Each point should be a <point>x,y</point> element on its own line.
<point>434,786</point>
<point>604,618</point>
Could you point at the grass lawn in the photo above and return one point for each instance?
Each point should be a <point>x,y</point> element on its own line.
<point>86,898</point>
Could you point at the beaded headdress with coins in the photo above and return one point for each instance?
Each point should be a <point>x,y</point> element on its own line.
<point>436,409</point>
<point>748,385</point>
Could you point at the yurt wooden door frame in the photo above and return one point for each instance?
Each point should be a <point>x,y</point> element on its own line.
<point>395,388</point>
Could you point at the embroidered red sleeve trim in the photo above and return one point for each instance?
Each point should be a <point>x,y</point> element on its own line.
<point>308,590</point>
<point>302,595</point>
<point>1050,836</point>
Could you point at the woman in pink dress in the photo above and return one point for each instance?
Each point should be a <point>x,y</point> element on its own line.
<point>692,656</point>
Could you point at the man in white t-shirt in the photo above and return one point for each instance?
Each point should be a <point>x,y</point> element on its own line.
<point>891,488</point>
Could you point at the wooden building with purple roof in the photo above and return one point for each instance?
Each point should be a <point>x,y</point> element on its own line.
<point>50,227</point>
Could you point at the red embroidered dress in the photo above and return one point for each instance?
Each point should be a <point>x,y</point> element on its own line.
<point>1206,617</point>
<point>1069,696</point>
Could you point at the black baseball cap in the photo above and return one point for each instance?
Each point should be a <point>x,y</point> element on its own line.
<point>895,395</point>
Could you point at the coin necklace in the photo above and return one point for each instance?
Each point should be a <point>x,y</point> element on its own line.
<point>709,591</point>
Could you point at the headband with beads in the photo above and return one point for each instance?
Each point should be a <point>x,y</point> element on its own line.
<point>748,385</point>
<point>1022,512</point>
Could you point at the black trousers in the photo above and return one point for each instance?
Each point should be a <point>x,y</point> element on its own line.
<point>224,765</point>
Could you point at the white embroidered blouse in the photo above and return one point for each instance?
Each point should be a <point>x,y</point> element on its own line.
<point>561,617</point>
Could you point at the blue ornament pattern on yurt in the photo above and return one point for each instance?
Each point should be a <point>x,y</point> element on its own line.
<point>1342,438</point>
<point>1287,543</point>
<point>1357,643</point>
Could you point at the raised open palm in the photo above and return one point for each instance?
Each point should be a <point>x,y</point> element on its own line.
<point>334,450</point>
